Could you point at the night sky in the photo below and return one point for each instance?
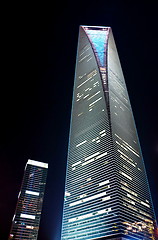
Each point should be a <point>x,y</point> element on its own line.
<point>37,73</point>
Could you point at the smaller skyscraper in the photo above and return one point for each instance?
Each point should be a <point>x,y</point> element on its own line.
<point>26,220</point>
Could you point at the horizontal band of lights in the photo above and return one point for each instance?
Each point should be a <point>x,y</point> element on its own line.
<point>30,227</point>
<point>22,215</point>
<point>95,101</point>
<point>88,199</point>
<point>124,174</point>
<point>90,215</point>
<point>81,143</point>
<point>32,193</point>
<point>89,76</point>
<point>38,164</point>
<point>103,183</point>
<point>90,159</point>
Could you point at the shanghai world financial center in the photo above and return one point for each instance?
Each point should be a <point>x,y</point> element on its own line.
<point>107,195</point>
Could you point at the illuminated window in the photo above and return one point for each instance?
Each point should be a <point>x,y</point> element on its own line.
<point>90,215</point>
<point>88,179</point>
<point>87,162</point>
<point>125,175</point>
<point>103,183</point>
<point>121,146</point>
<point>67,194</point>
<point>131,207</point>
<point>128,146</point>
<point>102,135</point>
<point>27,216</point>
<point>93,95</point>
<point>101,155</point>
<point>89,76</point>
<point>85,96</point>
<point>145,204</point>
<point>127,168</point>
<point>139,169</point>
<point>95,101</point>
<point>89,59</point>
<point>83,58</point>
<point>32,193</point>
<point>127,161</point>
<point>128,200</point>
<point>144,213</point>
<point>130,191</point>
<point>83,195</point>
<point>106,198</point>
<point>75,164</point>
<point>103,131</point>
<point>93,155</point>
<point>36,163</point>
<point>29,227</point>
<point>88,199</point>
<point>80,114</point>
<point>124,183</point>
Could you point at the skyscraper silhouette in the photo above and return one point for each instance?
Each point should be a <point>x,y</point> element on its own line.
<point>25,223</point>
<point>107,195</point>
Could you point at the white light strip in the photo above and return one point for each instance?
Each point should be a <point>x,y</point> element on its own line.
<point>81,143</point>
<point>103,183</point>
<point>145,204</point>
<point>124,174</point>
<point>90,215</point>
<point>91,160</point>
<point>124,154</point>
<point>85,81</point>
<point>129,146</point>
<point>27,216</point>
<point>86,96</point>
<point>94,197</point>
<point>127,160</point>
<point>19,194</point>
<point>38,164</point>
<point>95,101</point>
<point>29,227</point>
<point>106,198</point>
<point>102,131</point>
<point>103,134</point>
<point>93,155</point>
<point>75,164</point>
<point>88,199</point>
<point>32,193</point>
<point>132,150</point>
<point>94,95</point>
<point>130,191</point>
<point>102,155</point>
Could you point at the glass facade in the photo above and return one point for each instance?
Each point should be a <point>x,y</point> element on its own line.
<point>107,194</point>
<point>25,223</point>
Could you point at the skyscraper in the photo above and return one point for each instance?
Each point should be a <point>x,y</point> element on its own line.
<point>107,195</point>
<point>25,223</point>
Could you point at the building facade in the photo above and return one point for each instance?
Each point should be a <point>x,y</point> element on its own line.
<point>107,194</point>
<point>25,223</point>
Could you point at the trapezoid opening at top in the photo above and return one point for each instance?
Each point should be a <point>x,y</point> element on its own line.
<point>98,37</point>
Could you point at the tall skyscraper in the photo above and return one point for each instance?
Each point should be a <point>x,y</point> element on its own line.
<point>25,223</point>
<point>107,193</point>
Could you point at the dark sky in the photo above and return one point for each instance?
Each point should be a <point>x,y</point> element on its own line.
<point>37,73</point>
